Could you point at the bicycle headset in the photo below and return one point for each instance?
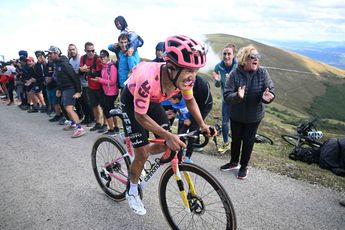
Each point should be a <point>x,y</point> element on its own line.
<point>184,52</point>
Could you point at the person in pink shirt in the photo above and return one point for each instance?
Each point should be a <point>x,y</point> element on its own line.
<point>149,84</point>
<point>108,81</point>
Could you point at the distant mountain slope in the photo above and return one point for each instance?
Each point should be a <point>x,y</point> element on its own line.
<point>332,53</point>
<point>299,80</point>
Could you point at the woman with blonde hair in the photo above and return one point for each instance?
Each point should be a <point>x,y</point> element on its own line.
<point>247,89</point>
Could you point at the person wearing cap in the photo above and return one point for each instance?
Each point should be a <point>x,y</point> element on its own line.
<point>68,88</point>
<point>41,72</point>
<point>159,52</point>
<point>108,81</point>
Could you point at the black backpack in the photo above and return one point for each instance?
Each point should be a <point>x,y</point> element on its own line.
<point>306,154</point>
<point>332,155</point>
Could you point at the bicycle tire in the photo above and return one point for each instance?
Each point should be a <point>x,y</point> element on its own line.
<point>105,150</point>
<point>290,139</point>
<point>259,138</point>
<point>212,198</point>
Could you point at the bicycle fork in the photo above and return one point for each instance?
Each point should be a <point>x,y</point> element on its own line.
<point>180,184</point>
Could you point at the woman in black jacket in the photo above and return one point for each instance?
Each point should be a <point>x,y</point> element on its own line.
<point>247,89</point>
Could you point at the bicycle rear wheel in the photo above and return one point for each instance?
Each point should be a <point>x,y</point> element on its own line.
<point>290,139</point>
<point>110,167</point>
<point>211,208</point>
<point>259,138</point>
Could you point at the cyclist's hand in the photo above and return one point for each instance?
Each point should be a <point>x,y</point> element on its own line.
<point>209,130</point>
<point>174,143</point>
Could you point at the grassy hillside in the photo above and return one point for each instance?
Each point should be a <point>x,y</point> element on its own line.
<point>305,88</point>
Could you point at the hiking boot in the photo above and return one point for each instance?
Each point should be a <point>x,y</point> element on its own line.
<point>97,126</point>
<point>136,204</point>
<point>69,127</point>
<point>242,173</point>
<point>55,118</point>
<point>229,167</point>
<point>225,147</point>
<point>78,133</point>
<point>103,129</point>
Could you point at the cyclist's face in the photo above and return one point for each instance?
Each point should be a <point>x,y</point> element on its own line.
<point>187,78</point>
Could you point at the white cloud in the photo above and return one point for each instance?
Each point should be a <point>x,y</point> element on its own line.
<point>37,24</point>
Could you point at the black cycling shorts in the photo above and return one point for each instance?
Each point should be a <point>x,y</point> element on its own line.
<point>138,135</point>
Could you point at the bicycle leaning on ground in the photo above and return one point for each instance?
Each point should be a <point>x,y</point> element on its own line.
<point>306,136</point>
<point>190,197</point>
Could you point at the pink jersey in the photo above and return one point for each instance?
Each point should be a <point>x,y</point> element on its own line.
<point>145,85</point>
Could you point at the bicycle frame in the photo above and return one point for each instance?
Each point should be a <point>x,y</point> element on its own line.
<point>154,169</point>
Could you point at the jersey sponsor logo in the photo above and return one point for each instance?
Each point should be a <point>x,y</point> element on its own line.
<point>144,89</point>
<point>139,101</point>
<point>137,142</point>
<point>135,135</point>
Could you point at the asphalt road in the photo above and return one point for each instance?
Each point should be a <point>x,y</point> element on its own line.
<point>47,183</point>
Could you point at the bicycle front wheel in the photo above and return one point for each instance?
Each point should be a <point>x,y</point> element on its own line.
<point>210,208</point>
<point>290,139</point>
<point>259,138</point>
<point>110,166</point>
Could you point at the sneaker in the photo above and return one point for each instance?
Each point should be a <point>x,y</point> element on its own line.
<point>116,129</point>
<point>225,147</point>
<point>103,129</point>
<point>55,118</point>
<point>33,109</point>
<point>78,133</point>
<point>187,160</point>
<point>62,121</point>
<point>135,204</point>
<point>97,126</point>
<point>43,109</point>
<point>229,167</point>
<point>109,132</point>
<point>69,127</point>
<point>242,173</point>
<point>342,203</point>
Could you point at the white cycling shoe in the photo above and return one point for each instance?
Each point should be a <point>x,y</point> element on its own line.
<point>136,204</point>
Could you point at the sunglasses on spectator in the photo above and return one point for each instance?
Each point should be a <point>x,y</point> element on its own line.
<point>255,56</point>
<point>90,51</point>
<point>229,54</point>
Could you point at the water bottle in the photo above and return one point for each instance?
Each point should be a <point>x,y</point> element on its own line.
<point>315,134</point>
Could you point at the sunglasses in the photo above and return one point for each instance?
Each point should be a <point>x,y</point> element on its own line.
<point>229,54</point>
<point>255,56</point>
<point>90,51</point>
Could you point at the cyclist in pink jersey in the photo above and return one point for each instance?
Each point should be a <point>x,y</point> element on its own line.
<point>148,85</point>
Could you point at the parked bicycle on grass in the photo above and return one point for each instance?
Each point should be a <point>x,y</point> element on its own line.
<point>306,136</point>
<point>195,199</point>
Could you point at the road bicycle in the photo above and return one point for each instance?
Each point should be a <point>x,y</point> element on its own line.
<point>259,138</point>
<point>190,197</point>
<point>306,136</point>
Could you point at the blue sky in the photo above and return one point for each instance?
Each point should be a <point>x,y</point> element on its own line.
<point>37,24</point>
